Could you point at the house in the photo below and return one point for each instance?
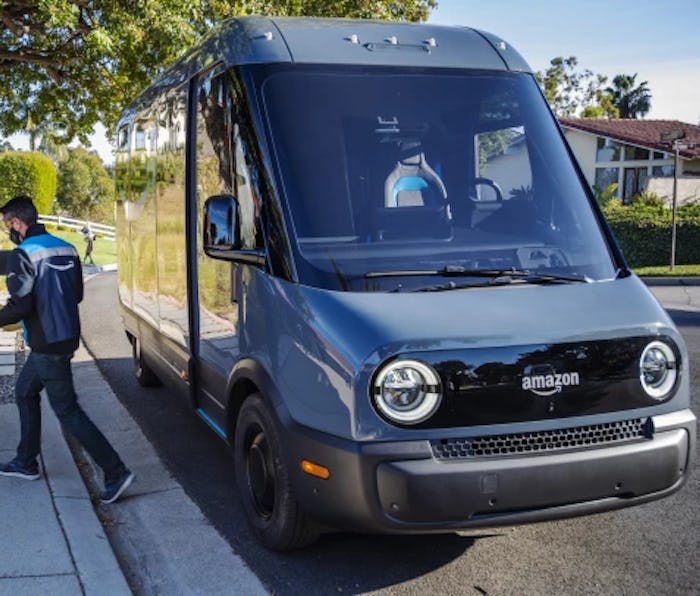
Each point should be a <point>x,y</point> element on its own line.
<point>634,154</point>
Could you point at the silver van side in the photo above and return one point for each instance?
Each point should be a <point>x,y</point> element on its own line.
<point>365,254</point>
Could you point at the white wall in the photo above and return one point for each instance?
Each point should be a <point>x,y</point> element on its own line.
<point>584,147</point>
<point>688,190</point>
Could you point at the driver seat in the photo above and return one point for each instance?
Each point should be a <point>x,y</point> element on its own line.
<point>413,183</point>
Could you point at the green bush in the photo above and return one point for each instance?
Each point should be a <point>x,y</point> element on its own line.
<point>643,230</point>
<point>30,173</point>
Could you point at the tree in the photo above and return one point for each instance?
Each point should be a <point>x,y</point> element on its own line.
<point>569,90</point>
<point>28,173</point>
<point>604,107</point>
<point>57,151</point>
<point>631,101</point>
<point>85,189</point>
<point>68,64</point>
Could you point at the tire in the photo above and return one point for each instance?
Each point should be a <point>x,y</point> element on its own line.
<point>143,373</point>
<point>263,481</point>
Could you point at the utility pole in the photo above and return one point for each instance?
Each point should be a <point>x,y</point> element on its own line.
<point>675,137</point>
<point>676,150</point>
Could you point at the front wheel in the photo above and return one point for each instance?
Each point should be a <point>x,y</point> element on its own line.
<point>263,481</point>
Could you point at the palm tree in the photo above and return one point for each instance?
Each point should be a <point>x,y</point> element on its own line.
<point>631,101</point>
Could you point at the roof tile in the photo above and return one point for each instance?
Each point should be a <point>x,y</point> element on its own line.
<point>647,133</point>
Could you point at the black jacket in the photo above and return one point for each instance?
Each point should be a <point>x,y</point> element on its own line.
<point>45,282</point>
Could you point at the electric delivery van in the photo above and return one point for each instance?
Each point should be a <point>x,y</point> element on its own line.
<point>365,254</point>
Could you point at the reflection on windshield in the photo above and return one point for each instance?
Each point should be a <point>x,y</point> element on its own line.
<point>390,170</point>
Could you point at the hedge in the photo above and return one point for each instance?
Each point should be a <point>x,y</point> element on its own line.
<point>29,173</point>
<point>645,235</point>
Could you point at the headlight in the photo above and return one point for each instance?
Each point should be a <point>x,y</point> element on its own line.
<point>657,369</point>
<point>407,391</point>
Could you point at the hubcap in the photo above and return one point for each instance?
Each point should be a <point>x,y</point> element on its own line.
<point>260,470</point>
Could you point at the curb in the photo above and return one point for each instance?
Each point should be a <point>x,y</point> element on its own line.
<point>90,549</point>
<point>671,281</point>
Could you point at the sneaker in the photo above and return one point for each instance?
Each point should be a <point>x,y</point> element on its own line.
<point>114,488</point>
<point>17,470</point>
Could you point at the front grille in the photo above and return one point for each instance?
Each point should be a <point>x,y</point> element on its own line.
<point>579,437</point>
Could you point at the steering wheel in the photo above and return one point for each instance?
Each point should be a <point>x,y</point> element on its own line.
<point>490,183</point>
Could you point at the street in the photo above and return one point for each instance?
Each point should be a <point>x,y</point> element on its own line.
<point>649,549</point>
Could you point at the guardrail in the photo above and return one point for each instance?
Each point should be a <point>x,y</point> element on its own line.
<point>102,230</point>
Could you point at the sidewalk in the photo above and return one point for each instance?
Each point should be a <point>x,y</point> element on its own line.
<point>676,293</point>
<point>52,541</point>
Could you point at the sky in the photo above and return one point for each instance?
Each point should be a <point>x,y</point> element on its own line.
<point>659,41</point>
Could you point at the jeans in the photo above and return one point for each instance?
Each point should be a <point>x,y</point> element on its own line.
<point>53,372</point>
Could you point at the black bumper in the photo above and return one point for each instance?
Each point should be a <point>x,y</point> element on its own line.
<point>401,487</point>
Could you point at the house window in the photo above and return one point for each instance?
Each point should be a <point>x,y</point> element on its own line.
<point>604,177</point>
<point>660,155</point>
<point>635,153</point>
<point>608,150</point>
<point>662,171</point>
<point>140,142</point>
<point>634,183</point>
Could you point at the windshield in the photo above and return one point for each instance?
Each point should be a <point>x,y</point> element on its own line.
<point>391,170</point>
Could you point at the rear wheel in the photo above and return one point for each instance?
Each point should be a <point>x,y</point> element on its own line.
<point>143,373</point>
<point>263,481</point>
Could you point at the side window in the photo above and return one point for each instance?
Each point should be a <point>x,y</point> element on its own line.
<point>502,158</point>
<point>169,136</point>
<point>227,160</point>
<point>214,171</point>
<point>247,171</point>
<point>214,176</point>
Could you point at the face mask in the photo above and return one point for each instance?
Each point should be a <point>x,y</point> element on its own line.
<point>14,236</point>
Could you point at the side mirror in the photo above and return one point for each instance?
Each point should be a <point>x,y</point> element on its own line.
<point>219,227</point>
<point>221,237</point>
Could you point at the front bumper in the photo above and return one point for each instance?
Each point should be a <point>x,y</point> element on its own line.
<point>402,487</point>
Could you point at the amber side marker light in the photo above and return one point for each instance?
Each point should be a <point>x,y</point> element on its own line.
<point>315,469</point>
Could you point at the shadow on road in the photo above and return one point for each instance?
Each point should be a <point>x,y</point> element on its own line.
<point>684,318</point>
<point>348,563</point>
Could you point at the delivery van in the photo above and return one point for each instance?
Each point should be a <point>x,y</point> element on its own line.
<point>365,254</point>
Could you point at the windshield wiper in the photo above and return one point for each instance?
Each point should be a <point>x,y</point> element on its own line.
<point>496,277</point>
<point>449,270</point>
<point>457,271</point>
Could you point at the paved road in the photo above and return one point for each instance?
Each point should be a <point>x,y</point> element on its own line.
<point>650,549</point>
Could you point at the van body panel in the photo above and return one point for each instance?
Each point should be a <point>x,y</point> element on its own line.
<point>330,343</point>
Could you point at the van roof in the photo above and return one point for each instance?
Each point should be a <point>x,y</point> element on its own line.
<point>363,42</point>
<point>258,40</point>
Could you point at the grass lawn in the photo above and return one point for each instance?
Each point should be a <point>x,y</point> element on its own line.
<point>104,252</point>
<point>665,271</point>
